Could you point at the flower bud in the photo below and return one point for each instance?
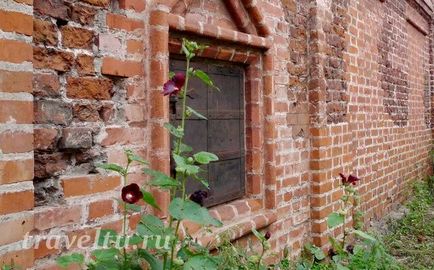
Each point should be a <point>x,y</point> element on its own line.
<point>267,235</point>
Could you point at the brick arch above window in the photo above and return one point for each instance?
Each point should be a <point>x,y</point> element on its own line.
<point>246,14</point>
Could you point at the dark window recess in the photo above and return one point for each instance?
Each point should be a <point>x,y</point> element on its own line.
<point>223,132</point>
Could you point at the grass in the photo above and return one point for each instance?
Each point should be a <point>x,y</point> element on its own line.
<point>411,239</point>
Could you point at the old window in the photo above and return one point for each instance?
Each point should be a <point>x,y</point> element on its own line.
<point>223,131</point>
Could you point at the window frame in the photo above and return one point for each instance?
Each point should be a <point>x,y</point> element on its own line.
<point>260,136</point>
<point>219,198</point>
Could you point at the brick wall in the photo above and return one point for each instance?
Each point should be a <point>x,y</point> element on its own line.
<point>331,86</point>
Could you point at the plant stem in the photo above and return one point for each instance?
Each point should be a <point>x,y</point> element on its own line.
<point>124,233</point>
<point>177,152</point>
<point>258,266</point>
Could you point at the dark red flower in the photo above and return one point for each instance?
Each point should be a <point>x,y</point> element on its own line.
<point>131,193</point>
<point>173,86</point>
<point>350,249</point>
<point>351,179</point>
<point>170,88</point>
<point>267,235</point>
<point>199,196</point>
<point>179,79</point>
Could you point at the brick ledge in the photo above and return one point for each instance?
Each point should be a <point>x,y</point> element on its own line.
<point>236,228</point>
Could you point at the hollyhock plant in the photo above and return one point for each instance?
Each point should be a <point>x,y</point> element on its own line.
<point>131,193</point>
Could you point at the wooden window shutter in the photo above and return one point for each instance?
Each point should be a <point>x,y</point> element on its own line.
<point>222,133</point>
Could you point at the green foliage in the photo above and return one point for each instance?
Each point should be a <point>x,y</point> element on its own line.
<point>335,219</point>
<point>149,199</point>
<point>192,111</point>
<point>161,180</point>
<point>187,210</point>
<point>67,260</point>
<point>205,157</point>
<point>411,238</point>
<point>177,132</point>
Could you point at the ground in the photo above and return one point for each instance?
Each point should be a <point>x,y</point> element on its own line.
<point>408,232</point>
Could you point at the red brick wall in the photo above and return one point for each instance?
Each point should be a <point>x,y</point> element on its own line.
<point>332,86</point>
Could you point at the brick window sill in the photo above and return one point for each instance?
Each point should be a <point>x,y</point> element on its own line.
<point>239,218</point>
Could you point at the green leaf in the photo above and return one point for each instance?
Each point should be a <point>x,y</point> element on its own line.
<point>204,78</point>
<point>183,167</point>
<point>200,262</point>
<point>133,207</point>
<point>150,225</point>
<point>205,157</point>
<point>149,199</point>
<point>173,130</point>
<point>171,74</point>
<point>191,110</point>
<point>341,267</point>
<point>105,254</point>
<point>153,262</point>
<point>335,219</point>
<point>67,260</point>
<point>104,234</point>
<point>201,180</point>
<point>183,148</point>
<point>133,157</point>
<point>160,179</point>
<point>365,236</point>
<point>259,235</point>
<point>315,251</point>
<point>112,167</point>
<point>192,211</point>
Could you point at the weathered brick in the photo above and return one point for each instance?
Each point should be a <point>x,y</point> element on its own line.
<point>45,138</point>
<point>14,229</point>
<point>12,171</point>
<point>15,81</point>
<point>85,65</point>
<point>50,164</point>
<point>87,112</point>
<point>83,14</point>
<point>109,43</point>
<point>50,217</point>
<point>27,2</point>
<point>45,248</point>
<point>24,258</point>
<point>115,67</point>
<point>53,59</point>
<point>53,8</point>
<point>89,184</point>
<point>18,112</point>
<point>76,138</point>
<point>137,5</point>
<point>73,37</point>
<point>121,22</point>
<point>46,85</point>
<point>135,46</point>
<point>102,3</point>
<point>53,112</point>
<point>15,51</point>
<point>44,32</point>
<point>13,202</point>
<point>100,209</point>
<point>122,136</point>
<point>89,88</point>
<point>16,142</point>
<point>11,21</point>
